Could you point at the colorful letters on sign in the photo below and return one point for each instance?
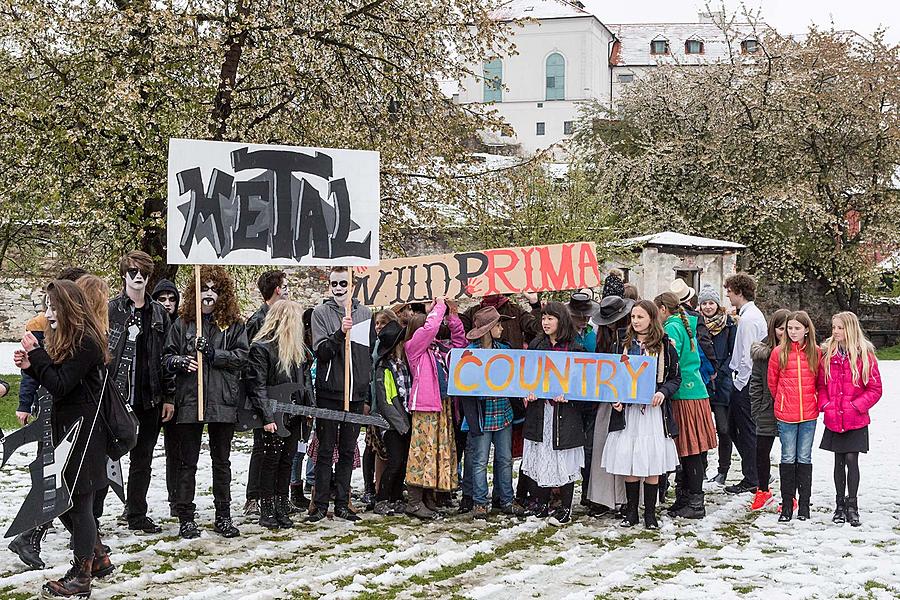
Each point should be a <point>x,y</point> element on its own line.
<point>576,375</point>
<point>480,273</point>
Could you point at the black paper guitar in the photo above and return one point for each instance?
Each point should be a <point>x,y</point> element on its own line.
<point>50,495</point>
<point>280,404</point>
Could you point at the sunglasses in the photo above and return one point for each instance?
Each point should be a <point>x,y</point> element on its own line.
<point>208,288</point>
<point>133,272</point>
<point>343,284</point>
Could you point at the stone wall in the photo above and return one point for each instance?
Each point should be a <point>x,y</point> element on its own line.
<point>19,302</point>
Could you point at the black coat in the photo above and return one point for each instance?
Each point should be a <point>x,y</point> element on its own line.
<point>222,390</point>
<point>75,386</point>
<point>120,309</point>
<point>568,427</point>
<point>255,322</point>
<point>264,372</point>
<point>671,381</point>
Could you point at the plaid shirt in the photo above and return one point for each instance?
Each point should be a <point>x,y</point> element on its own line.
<point>498,414</point>
<point>402,379</point>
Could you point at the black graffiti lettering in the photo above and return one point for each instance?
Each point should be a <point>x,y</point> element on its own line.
<point>277,212</point>
<point>430,280</point>
<point>362,283</point>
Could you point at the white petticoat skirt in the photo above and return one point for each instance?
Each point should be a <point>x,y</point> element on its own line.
<point>549,467</point>
<point>641,449</point>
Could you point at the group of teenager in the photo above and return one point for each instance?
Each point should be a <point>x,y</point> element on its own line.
<point>726,380</point>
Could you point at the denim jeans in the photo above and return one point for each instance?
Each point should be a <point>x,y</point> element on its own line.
<point>796,441</point>
<point>478,449</point>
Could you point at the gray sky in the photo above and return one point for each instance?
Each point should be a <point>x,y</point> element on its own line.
<point>786,16</point>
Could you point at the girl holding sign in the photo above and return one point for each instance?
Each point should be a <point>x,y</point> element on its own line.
<point>697,433</point>
<point>640,441</point>
<point>553,452</point>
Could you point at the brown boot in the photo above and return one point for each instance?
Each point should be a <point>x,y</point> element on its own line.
<point>102,566</point>
<point>76,583</point>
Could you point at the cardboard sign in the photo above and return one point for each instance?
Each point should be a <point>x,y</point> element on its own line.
<point>576,375</point>
<point>255,204</point>
<point>480,273</point>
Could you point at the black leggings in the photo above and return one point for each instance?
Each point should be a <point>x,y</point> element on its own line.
<point>846,473</point>
<point>764,460</point>
<point>525,488</point>
<point>566,492</point>
<point>368,469</point>
<point>693,474</point>
<point>391,484</point>
<point>79,521</point>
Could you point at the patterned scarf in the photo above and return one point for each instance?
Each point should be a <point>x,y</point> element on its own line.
<point>716,323</point>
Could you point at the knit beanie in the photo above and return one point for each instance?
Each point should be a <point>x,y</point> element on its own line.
<point>613,286</point>
<point>707,293</point>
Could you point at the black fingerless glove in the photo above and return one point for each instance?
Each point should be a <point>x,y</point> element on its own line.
<point>180,363</point>
<point>206,349</point>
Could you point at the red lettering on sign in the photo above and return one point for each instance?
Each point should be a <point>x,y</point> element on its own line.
<point>557,278</point>
<point>587,259</point>
<point>496,271</point>
<point>529,268</point>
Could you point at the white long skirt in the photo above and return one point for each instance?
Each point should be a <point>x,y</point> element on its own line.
<point>604,487</point>
<point>641,449</point>
<point>549,467</point>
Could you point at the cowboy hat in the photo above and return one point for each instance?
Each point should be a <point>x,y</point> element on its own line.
<point>612,308</point>
<point>483,321</point>
<point>682,290</point>
<point>388,338</point>
<point>581,303</point>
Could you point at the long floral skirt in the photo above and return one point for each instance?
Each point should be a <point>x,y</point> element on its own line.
<point>432,459</point>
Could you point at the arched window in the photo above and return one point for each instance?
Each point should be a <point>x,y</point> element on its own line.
<point>556,77</point>
<point>493,81</point>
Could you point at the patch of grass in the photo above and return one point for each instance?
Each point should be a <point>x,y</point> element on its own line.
<point>132,567</point>
<point>875,585</point>
<point>704,545</point>
<point>556,561</point>
<point>888,353</point>
<point>339,540</point>
<point>165,568</point>
<point>743,589</point>
<point>449,571</point>
<point>10,593</point>
<point>670,570</point>
<point>769,550</point>
<point>9,403</point>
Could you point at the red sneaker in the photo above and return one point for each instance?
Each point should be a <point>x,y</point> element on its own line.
<point>778,510</point>
<point>761,500</point>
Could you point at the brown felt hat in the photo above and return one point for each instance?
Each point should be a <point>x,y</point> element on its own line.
<point>483,321</point>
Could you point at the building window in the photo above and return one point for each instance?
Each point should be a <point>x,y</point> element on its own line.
<point>659,47</point>
<point>493,81</point>
<point>626,78</point>
<point>693,47</point>
<point>568,127</point>
<point>750,46</point>
<point>539,130</point>
<point>555,77</point>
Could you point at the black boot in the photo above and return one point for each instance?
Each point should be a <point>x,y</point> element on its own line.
<point>283,512</point>
<point>466,505</point>
<point>681,498</point>
<point>27,546</point>
<point>76,583</point>
<point>267,516</point>
<point>298,498</point>
<point>852,512</point>
<point>788,483</point>
<point>695,509</point>
<point>632,493</point>
<point>804,488</point>
<point>650,493</point>
<point>839,510</point>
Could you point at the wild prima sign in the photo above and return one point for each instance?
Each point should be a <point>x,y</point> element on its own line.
<point>256,204</point>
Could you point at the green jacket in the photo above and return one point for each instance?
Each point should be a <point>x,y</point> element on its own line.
<point>692,387</point>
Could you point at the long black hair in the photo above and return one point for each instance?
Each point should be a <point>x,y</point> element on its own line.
<point>565,330</point>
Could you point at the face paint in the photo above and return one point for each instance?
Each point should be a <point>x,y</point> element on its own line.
<point>135,280</point>
<point>51,315</point>
<point>340,287</point>
<point>209,294</point>
<point>285,292</point>
<point>169,301</point>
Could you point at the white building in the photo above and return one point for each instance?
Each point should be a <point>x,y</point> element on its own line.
<point>565,55</point>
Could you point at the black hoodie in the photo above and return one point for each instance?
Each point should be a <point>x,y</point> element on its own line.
<point>164,285</point>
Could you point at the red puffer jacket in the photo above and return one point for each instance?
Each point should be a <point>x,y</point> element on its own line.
<point>794,388</point>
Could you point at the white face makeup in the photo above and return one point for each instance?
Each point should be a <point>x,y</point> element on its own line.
<point>209,294</point>
<point>169,301</point>
<point>283,292</point>
<point>339,283</point>
<point>135,280</point>
<point>51,315</point>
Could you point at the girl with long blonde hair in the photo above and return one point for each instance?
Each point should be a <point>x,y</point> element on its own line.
<point>848,386</point>
<point>278,356</point>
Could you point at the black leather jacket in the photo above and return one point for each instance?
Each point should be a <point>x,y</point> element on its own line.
<point>222,389</point>
<point>264,372</point>
<point>120,309</point>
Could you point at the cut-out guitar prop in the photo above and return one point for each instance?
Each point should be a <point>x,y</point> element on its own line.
<point>280,404</point>
<point>124,382</point>
<point>50,495</point>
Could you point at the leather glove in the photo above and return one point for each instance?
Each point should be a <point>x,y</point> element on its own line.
<point>206,349</point>
<point>180,363</point>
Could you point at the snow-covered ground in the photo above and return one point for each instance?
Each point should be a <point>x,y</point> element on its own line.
<point>730,554</point>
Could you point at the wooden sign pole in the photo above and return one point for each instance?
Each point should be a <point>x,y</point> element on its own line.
<point>198,315</point>
<point>347,366</point>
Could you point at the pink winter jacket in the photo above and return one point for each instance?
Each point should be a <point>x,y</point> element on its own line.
<point>846,406</point>
<point>421,352</point>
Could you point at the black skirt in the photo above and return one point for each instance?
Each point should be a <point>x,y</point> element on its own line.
<point>855,440</point>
